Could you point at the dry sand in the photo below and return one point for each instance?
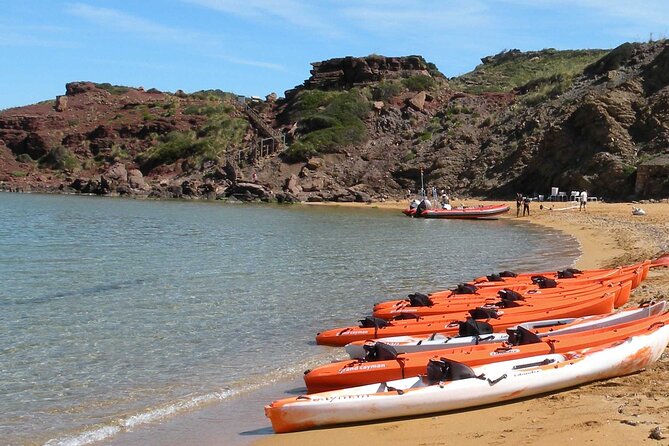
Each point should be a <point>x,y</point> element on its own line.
<point>617,411</point>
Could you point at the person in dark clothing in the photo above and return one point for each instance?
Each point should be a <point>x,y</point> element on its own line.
<point>526,206</point>
<point>519,202</point>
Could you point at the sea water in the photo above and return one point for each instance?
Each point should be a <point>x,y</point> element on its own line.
<point>118,315</point>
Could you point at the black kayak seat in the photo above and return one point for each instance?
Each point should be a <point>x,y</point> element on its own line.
<point>444,369</point>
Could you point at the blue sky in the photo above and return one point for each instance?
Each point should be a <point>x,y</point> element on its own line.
<point>254,47</point>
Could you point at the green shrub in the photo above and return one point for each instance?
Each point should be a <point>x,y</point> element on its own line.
<point>174,146</point>
<point>425,136</point>
<point>59,158</point>
<point>328,121</point>
<point>24,158</point>
<point>18,174</point>
<point>510,70</point>
<point>386,90</point>
<point>408,156</point>
<point>419,82</point>
<point>113,89</point>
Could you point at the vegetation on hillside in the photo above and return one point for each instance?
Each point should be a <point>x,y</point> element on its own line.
<point>542,70</point>
<point>328,120</point>
<point>221,132</point>
<point>113,89</point>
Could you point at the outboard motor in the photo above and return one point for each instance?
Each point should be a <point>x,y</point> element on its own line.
<point>378,351</point>
<point>420,300</point>
<point>443,369</point>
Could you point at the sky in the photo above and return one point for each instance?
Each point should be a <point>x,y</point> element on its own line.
<point>255,47</point>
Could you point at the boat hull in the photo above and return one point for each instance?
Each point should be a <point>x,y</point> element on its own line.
<point>503,381</point>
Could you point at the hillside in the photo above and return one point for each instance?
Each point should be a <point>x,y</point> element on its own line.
<point>361,129</point>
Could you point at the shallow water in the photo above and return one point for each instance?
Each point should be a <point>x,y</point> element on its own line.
<point>116,314</point>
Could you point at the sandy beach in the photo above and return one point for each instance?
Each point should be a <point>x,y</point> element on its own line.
<point>617,411</point>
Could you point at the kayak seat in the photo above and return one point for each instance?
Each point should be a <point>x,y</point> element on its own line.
<point>543,282</point>
<point>443,369</point>
<point>508,294</point>
<point>506,303</point>
<point>568,273</point>
<point>522,336</point>
<point>419,300</point>
<point>371,321</point>
<point>379,351</point>
<point>465,288</point>
<point>483,313</point>
<point>494,278</point>
<point>508,274</point>
<point>471,327</point>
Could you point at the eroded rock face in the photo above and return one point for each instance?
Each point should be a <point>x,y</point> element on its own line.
<point>347,72</point>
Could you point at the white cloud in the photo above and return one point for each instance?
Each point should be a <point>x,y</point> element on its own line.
<point>637,13</point>
<point>122,21</point>
<point>111,18</point>
<point>45,36</point>
<point>254,63</point>
<point>291,12</point>
<point>418,16</point>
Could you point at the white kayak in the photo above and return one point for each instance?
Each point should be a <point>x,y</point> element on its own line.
<point>450,386</point>
<point>413,344</point>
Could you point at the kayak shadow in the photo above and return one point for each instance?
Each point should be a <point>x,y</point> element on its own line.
<point>296,391</point>
<point>260,431</point>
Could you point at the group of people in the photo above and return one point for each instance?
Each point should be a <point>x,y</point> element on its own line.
<point>425,203</point>
<point>525,203</point>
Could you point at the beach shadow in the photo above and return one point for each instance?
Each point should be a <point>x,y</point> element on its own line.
<point>296,391</point>
<point>261,431</point>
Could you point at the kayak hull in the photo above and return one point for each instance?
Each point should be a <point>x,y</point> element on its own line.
<point>495,383</point>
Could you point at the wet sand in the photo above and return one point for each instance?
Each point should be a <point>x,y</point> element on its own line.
<point>617,411</point>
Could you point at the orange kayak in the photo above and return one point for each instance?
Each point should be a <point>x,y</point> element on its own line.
<point>599,302</point>
<point>429,307</point>
<point>385,309</point>
<point>351,373</point>
<point>564,274</point>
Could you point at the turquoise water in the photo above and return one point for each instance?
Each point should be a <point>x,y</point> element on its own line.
<point>117,313</point>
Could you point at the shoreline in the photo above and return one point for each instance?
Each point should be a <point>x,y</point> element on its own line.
<point>609,412</point>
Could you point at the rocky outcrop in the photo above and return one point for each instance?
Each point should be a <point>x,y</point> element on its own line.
<point>652,179</point>
<point>348,72</point>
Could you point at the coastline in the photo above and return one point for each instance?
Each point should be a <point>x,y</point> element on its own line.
<point>619,410</point>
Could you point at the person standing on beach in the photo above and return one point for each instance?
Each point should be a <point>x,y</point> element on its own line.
<point>519,201</point>
<point>583,200</point>
<point>526,206</point>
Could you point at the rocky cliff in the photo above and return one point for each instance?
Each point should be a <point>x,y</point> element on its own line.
<point>361,129</point>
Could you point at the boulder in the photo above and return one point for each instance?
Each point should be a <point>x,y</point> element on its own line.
<point>292,185</point>
<point>136,180</point>
<point>418,101</point>
<point>314,163</point>
<point>61,103</point>
<point>117,173</point>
